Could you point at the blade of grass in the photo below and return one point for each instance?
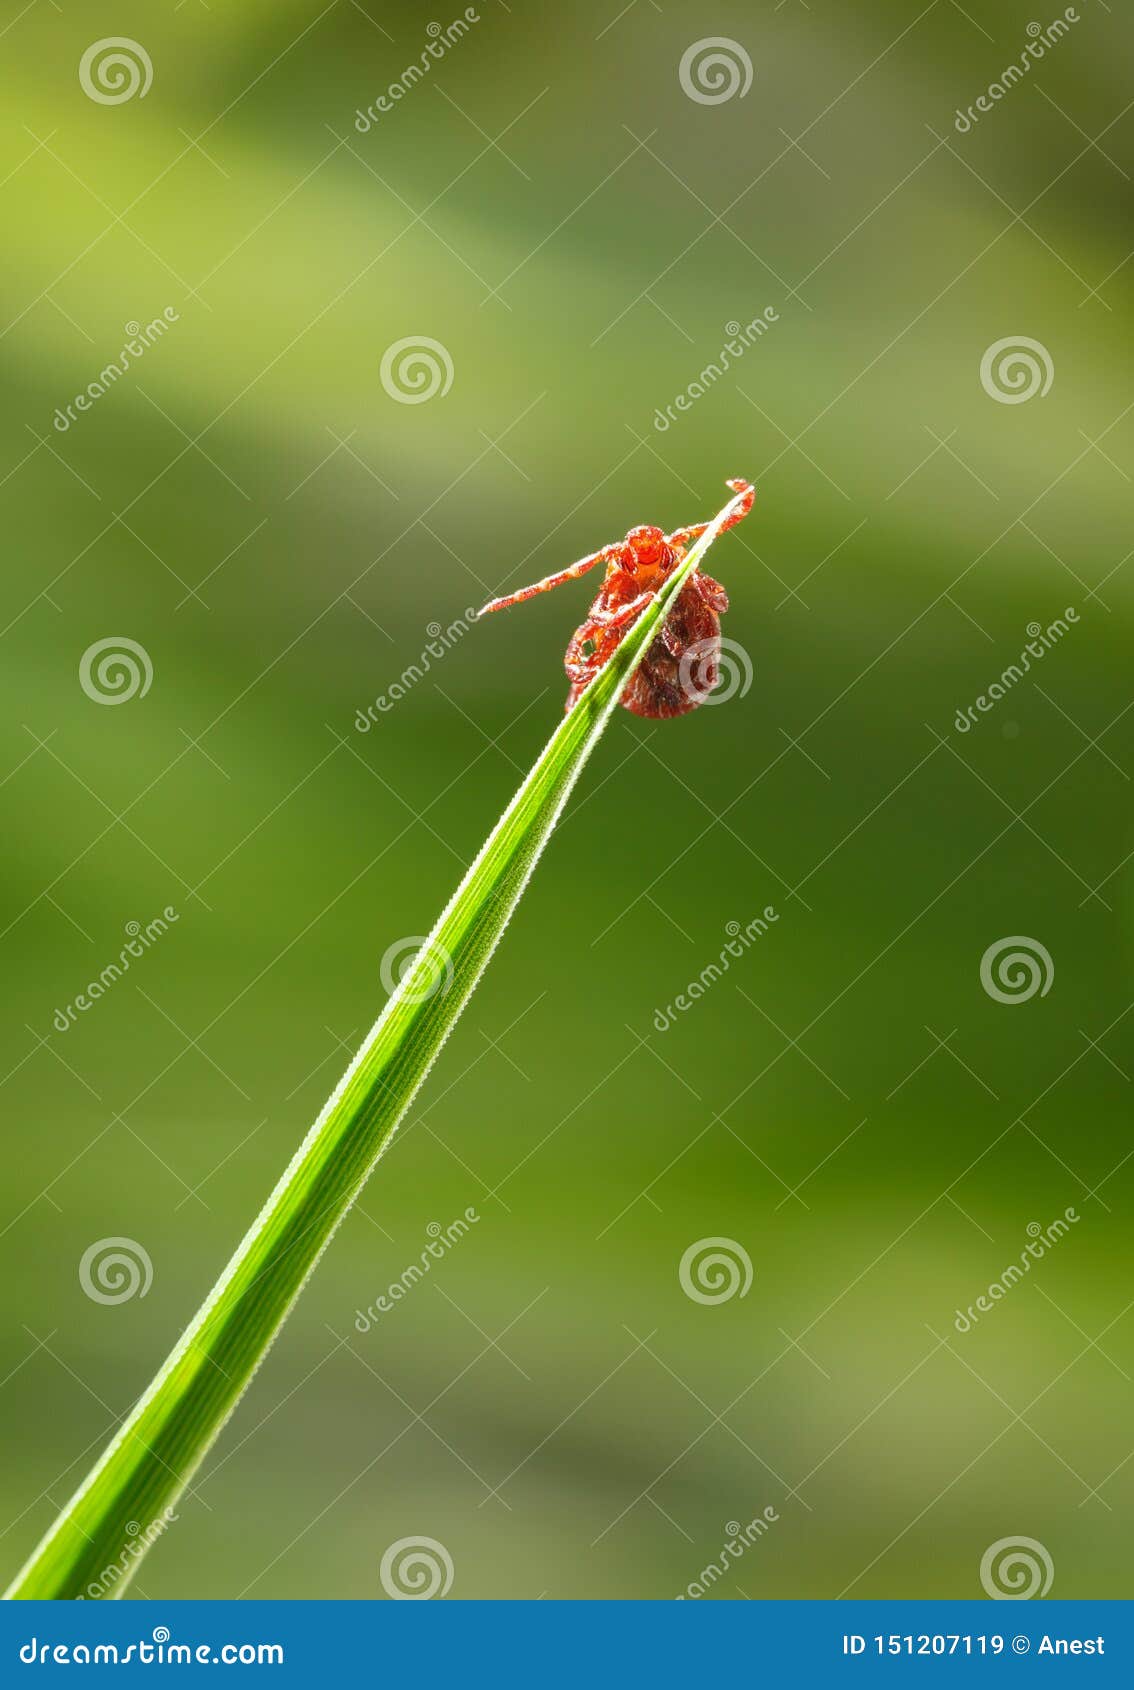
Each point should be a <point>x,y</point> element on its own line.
<point>96,1544</point>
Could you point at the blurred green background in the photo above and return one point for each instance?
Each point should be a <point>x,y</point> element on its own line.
<point>277,530</point>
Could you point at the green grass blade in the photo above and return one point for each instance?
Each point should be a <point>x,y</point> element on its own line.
<point>97,1542</point>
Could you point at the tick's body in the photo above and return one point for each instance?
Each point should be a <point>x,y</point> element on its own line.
<point>680,668</point>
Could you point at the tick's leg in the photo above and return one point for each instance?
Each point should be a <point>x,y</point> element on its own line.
<point>627,613</point>
<point>609,554</point>
<point>712,592</point>
<point>686,536</point>
<point>598,639</point>
<point>742,506</point>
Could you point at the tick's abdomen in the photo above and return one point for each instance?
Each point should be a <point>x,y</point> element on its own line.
<point>680,667</point>
<point>681,664</point>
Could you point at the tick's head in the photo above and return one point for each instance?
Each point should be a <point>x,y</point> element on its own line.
<point>647,545</point>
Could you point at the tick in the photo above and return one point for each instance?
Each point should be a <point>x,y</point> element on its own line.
<point>680,668</point>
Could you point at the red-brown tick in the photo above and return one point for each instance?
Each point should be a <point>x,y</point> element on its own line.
<point>680,668</point>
